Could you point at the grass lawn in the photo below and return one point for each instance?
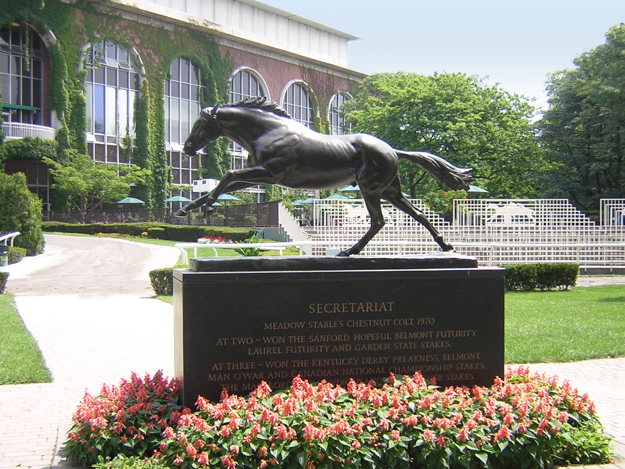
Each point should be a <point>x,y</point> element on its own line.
<point>580,324</point>
<point>21,361</point>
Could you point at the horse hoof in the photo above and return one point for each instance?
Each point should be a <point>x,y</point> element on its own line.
<point>447,247</point>
<point>180,213</point>
<point>343,254</point>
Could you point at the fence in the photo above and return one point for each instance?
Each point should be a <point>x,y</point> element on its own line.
<point>250,215</point>
<point>496,231</point>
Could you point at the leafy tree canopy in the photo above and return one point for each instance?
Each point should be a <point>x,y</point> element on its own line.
<point>584,127</point>
<point>87,184</point>
<point>457,117</point>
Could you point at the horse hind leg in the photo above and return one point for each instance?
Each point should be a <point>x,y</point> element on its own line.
<point>396,198</point>
<point>377,223</point>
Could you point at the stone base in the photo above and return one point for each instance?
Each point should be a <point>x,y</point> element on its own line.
<point>240,321</point>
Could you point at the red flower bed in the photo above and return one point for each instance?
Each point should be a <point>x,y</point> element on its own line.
<point>524,421</point>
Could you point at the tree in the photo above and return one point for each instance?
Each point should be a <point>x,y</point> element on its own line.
<point>87,185</point>
<point>20,210</point>
<point>584,127</point>
<point>456,117</point>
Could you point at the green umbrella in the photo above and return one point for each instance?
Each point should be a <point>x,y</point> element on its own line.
<point>354,188</point>
<point>227,197</point>
<point>473,188</point>
<point>130,200</point>
<point>178,198</point>
<point>308,201</point>
<point>337,197</point>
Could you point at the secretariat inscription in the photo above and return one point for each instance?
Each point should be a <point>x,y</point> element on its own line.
<point>368,327</point>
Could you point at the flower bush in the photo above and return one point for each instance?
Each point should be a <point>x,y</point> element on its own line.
<point>214,240</point>
<point>128,419</point>
<point>524,421</point>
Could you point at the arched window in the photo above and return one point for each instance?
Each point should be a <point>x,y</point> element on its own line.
<point>338,126</point>
<point>298,103</point>
<point>112,88</point>
<point>244,84</point>
<point>21,75</point>
<point>183,90</point>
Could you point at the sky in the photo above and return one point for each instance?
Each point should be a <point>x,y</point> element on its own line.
<point>509,43</point>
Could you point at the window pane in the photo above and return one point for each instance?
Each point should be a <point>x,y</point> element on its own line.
<point>26,92</point>
<point>123,79</point>
<point>99,152</point>
<point>111,153</point>
<point>185,126</point>
<point>111,77</point>
<point>98,75</point>
<point>98,111</point>
<point>122,112</point>
<point>111,111</point>
<point>89,97</point>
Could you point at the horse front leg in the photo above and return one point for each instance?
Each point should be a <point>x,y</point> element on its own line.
<point>191,206</point>
<point>377,223</point>
<point>233,180</point>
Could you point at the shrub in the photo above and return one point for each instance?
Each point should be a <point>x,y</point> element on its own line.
<point>16,254</point>
<point>156,232</point>
<point>20,210</point>
<point>181,233</point>
<point>162,280</point>
<point>528,277</point>
<point>128,419</point>
<point>526,421</point>
<point>4,276</point>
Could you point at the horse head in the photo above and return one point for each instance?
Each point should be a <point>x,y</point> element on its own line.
<point>205,130</point>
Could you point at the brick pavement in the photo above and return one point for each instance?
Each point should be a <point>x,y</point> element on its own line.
<point>88,340</point>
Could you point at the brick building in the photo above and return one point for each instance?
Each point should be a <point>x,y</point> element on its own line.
<point>124,80</point>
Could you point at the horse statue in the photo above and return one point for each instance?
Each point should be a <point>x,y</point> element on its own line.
<point>285,152</point>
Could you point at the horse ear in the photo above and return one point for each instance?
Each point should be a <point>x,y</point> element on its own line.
<point>214,111</point>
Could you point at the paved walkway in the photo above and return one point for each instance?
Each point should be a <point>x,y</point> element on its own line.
<point>89,305</point>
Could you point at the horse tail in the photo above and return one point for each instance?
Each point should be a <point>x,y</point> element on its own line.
<point>446,173</point>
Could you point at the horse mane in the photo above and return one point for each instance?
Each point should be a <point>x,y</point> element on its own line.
<point>260,103</point>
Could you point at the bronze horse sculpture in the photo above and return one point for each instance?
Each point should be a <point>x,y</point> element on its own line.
<point>285,152</point>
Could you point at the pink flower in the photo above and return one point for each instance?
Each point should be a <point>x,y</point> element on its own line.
<point>234,449</point>
<point>356,445</point>
<point>503,433</point>
<point>440,441</point>
<point>463,435</point>
<point>191,451</point>
<point>395,435</point>
<point>429,436</point>
<point>228,462</point>
<point>202,459</point>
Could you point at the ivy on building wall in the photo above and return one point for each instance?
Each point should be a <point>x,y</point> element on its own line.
<point>81,23</point>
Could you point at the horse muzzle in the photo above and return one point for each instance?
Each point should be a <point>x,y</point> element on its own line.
<point>189,150</point>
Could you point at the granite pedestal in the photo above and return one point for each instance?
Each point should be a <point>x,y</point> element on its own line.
<point>240,321</point>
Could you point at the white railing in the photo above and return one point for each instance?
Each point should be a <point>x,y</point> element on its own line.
<point>18,130</point>
<point>9,237</point>
<point>497,232</point>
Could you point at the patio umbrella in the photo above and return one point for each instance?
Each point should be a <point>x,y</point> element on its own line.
<point>227,197</point>
<point>473,188</point>
<point>337,197</point>
<point>178,198</point>
<point>308,201</point>
<point>354,188</point>
<point>130,200</point>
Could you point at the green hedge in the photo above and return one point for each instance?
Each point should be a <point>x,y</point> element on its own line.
<point>162,280</point>
<point>529,277</point>
<point>16,254</point>
<point>182,233</point>
<point>4,276</point>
